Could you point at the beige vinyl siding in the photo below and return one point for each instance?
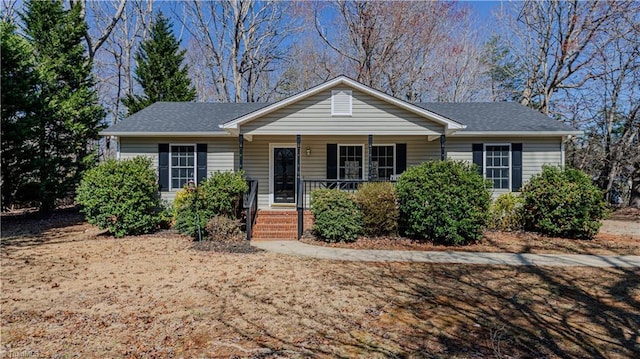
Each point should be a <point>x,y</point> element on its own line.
<point>257,152</point>
<point>312,116</point>
<point>222,153</point>
<point>536,152</point>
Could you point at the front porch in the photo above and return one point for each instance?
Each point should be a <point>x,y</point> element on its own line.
<point>280,162</point>
<point>288,168</point>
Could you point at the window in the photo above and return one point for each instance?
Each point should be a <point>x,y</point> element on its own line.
<point>382,162</point>
<point>350,162</point>
<point>341,102</point>
<point>183,165</point>
<point>498,165</point>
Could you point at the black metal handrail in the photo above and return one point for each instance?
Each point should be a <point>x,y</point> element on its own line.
<point>306,186</point>
<point>349,185</point>
<point>251,206</point>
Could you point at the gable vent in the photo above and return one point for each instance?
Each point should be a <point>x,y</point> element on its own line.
<point>341,102</point>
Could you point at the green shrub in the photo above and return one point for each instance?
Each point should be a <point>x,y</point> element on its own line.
<point>223,229</point>
<point>181,199</point>
<point>379,208</point>
<point>445,201</point>
<point>121,196</point>
<point>336,215</point>
<point>220,194</point>
<point>506,212</point>
<point>563,203</point>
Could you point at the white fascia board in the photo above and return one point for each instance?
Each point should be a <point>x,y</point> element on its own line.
<point>343,80</point>
<point>514,133</point>
<point>165,134</point>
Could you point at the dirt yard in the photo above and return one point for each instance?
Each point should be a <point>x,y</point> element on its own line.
<point>69,291</point>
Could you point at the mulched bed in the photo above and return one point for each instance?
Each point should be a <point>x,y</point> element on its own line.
<point>242,247</point>
<point>626,214</point>
<point>494,241</point>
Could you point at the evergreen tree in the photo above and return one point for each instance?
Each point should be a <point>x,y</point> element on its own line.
<point>159,70</point>
<point>502,70</point>
<point>67,114</point>
<point>18,92</point>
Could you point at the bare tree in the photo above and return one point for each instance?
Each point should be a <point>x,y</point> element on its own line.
<point>108,20</point>
<point>8,9</point>
<point>608,108</point>
<point>461,76</point>
<point>114,63</point>
<point>412,50</point>
<point>619,89</point>
<point>556,41</point>
<point>242,46</point>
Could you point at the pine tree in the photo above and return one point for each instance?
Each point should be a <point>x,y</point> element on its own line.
<point>159,70</point>
<point>18,94</point>
<point>67,114</point>
<point>502,70</point>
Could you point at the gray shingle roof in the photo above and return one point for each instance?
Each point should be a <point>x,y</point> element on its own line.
<point>495,116</point>
<point>171,117</point>
<point>188,117</point>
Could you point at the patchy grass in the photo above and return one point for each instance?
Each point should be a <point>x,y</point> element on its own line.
<point>69,290</point>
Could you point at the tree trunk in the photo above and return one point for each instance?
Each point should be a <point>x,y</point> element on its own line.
<point>634,198</point>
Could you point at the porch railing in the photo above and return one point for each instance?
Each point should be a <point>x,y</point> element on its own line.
<point>306,186</point>
<point>251,206</point>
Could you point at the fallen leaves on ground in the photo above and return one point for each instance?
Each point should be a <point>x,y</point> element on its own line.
<point>68,290</point>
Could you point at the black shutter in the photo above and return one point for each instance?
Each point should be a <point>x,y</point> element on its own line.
<point>332,161</point>
<point>163,167</point>
<point>516,166</point>
<point>478,156</point>
<point>401,158</point>
<point>201,161</point>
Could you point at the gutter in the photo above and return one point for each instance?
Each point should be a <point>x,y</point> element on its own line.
<point>166,134</point>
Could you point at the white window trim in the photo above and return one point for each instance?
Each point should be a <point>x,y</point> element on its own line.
<point>484,164</point>
<point>271,197</point>
<point>394,154</point>
<point>364,157</point>
<point>195,164</point>
<point>333,109</point>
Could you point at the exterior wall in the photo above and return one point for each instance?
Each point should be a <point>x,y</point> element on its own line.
<point>257,152</point>
<point>536,152</point>
<point>312,116</point>
<point>222,152</point>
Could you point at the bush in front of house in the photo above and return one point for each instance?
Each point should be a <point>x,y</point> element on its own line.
<point>506,212</point>
<point>223,229</point>
<point>563,203</point>
<point>379,208</point>
<point>219,195</point>
<point>122,196</point>
<point>445,201</point>
<point>336,217</point>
